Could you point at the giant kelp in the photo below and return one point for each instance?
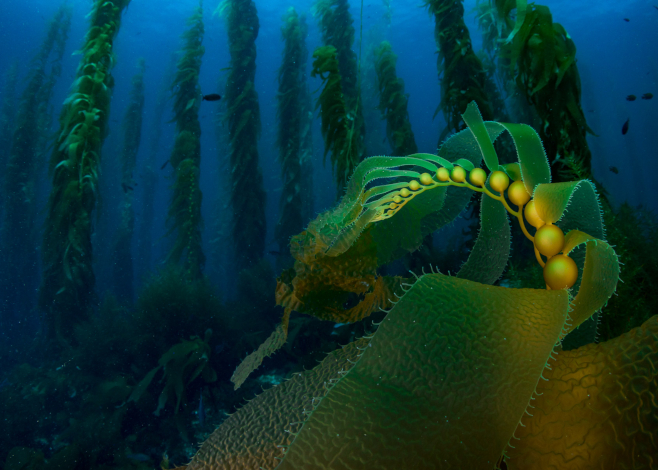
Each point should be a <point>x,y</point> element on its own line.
<point>185,208</point>
<point>247,193</point>
<point>462,76</point>
<point>337,27</point>
<point>540,57</point>
<point>292,85</point>
<point>433,387</point>
<point>122,268</point>
<point>393,102</point>
<point>18,238</point>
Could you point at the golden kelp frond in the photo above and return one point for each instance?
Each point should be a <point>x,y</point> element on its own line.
<point>596,409</point>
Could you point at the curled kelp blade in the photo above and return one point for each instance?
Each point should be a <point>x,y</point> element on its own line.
<point>597,408</point>
<point>257,435</point>
<point>442,384</point>
<point>490,255</point>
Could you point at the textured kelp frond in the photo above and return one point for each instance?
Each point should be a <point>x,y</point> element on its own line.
<point>184,216</point>
<point>597,404</point>
<point>243,111</point>
<point>393,102</point>
<point>67,284</point>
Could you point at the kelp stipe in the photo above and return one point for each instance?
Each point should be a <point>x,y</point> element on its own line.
<point>122,268</point>
<point>393,102</point>
<point>66,291</point>
<point>184,216</point>
<point>435,387</point>
<point>462,76</point>
<point>291,91</point>
<point>243,111</point>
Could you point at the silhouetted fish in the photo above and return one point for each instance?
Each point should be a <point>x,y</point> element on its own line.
<point>126,187</point>
<point>626,20</point>
<point>164,165</point>
<point>614,169</point>
<point>624,128</point>
<point>631,98</point>
<point>212,97</point>
<point>647,96</point>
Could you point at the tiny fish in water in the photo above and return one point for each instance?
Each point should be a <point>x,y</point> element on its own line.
<point>212,97</point>
<point>624,128</point>
<point>614,169</point>
<point>164,165</point>
<point>631,98</point>
<point>626,20</point>
<point>274,253</point>
<point>126,187</point>
<point>201,413</point>
<point>647,96</point>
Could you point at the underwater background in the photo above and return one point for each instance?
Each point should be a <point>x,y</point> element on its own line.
<point>159,159</point>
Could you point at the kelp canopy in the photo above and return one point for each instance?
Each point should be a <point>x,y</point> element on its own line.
<point>433,387</point>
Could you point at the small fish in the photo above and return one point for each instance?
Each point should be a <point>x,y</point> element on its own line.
<point>274,253</point>
<point>631,98</point>
<point>164,165</point>
<point>614,169</point>
<point>647,96</point>
<point>212,97</point>
<point>626,20</point>
<point>201,413</point>
<point>126,187</point>
<point>624,128</point>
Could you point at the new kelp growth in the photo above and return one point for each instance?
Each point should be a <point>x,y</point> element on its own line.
<point>462,76</point>
<point>247,193</point>
<point>292,85</point>
<point>393,102</point>
<point>540,56</point>
<point>185,208</point>
<point>122,269</point>
<point>434,387</point>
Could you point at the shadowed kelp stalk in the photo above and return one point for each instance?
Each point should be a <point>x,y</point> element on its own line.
<point>185,209</point>
<point>292,85</point>
<point>66,291</point>
<point>122,268</point>
<point>18,237</point>
<point>247,194</point>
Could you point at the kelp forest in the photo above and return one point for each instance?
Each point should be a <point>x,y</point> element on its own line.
<point>323,235</point>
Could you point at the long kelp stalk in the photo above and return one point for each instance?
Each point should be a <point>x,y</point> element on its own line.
<point>122,268</point>
<point>7,114</point>
<point>337,27</point>
<point>247,193</point>
<point>185,209</point>
<point>18,235</point>
<point>393,102</point>
<point>67,285</point>
<point>540,57</point>
<point>289,113</point>
<point>462,76</point>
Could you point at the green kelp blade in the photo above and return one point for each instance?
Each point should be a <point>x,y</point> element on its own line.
<point>443,383</point>
<point>256,435</point>
<point>584,210</point>
<point>473,120</point>
<point>535,169</point>
<point>489,256</point>
<point>521,9</point>
<point>598,278</point>
<point>597,408</point>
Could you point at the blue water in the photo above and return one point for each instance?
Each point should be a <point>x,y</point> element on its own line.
<point>615,58</point>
